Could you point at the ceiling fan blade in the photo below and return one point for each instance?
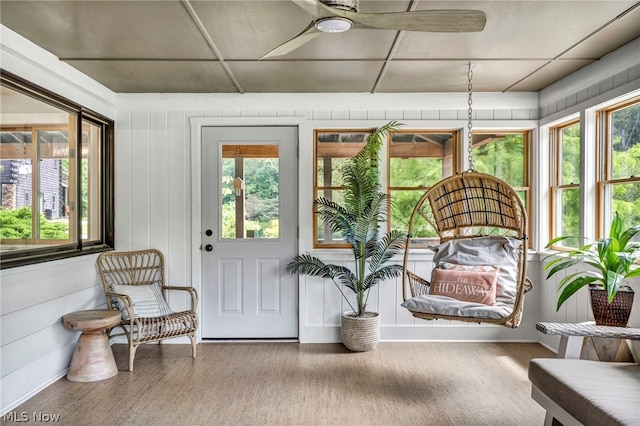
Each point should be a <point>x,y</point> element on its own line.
<point>315,9</point>
<point>439,21</point>
<point>289,46</point>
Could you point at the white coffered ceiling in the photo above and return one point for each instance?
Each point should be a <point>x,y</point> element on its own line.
<point>214,46</point>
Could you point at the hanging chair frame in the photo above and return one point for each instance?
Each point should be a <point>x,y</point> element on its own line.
<point>470,205</point>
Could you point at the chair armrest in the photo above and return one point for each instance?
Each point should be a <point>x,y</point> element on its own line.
<point>192,291</point>
<point>417,284</point>
<point>127,303</point>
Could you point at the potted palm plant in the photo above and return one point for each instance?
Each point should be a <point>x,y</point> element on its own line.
<point>358,220</point>
<point>611,259</point>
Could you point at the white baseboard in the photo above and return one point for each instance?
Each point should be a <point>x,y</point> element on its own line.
<point>32,393</point>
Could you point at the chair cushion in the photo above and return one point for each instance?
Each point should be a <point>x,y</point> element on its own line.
<point>444,305</point>
<point>481,251</point>
<point>593,392</point>
<point>147,300</point>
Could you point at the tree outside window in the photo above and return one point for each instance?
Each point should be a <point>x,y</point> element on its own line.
<point>505,155</point>
<point>417,160</point>
<point>619,185</point>
<point>565,182</point>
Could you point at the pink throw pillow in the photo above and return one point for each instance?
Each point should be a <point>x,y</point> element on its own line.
<point>470,286</point>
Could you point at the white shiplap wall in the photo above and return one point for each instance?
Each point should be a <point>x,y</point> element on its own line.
<point>35,348</point>
<point>600,83</point>
<point>155,161</point>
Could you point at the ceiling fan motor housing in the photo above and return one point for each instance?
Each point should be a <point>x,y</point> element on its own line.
<point>350,5</point>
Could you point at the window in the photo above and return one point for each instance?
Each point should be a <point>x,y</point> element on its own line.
<point>417,160</point>
<point>63,155</point>
<point>506,156</point>
<point>565,182</point>
<point>333,148</point>
<point>251,198</point>
<point>619,166</point>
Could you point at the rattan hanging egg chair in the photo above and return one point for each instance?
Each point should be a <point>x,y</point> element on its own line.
<point>482,226</point>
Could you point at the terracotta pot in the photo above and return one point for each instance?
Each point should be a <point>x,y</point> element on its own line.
<point>615,313</point>
<point>360,334</point>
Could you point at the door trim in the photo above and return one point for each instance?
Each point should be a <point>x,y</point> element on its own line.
<point>196,124</point>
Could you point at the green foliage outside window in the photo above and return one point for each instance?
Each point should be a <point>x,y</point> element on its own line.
<point>570,174</point>
<point>625,163</point>
<point>626,142</point>
<point>502,157</point>
<point>408,173</point>
<point>261,189</point>
<point>16,225</point>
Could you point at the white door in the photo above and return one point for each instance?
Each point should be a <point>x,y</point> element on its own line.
<point>249,232</point>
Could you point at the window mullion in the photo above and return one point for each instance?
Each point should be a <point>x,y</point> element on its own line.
<point>35,187</point>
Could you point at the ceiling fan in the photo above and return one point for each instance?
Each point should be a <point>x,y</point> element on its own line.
<point>336,16</point>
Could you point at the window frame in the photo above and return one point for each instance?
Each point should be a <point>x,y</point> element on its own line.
<point>528,189</point>
<point>79,246</point>
<point>317,188</point>
<point>456,136</point>
<point>555,176</point>
<point>604,161</point>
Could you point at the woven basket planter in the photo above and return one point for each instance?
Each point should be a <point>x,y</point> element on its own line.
<point>360,334</point>
<point>615,313</point>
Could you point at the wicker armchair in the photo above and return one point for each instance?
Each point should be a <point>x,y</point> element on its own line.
<point>134,284</point>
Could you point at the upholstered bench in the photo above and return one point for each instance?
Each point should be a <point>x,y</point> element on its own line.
<point>592,392</point>
<point>585,392</point>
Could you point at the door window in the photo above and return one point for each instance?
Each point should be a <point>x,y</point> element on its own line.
<point>250,192</point>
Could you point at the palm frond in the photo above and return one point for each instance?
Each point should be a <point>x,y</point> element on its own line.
<point>367,222</point>
<point>360,184</point>
<point>338,218</point>
<point>309,265</point>
<point>361,175</point>
<point>384,273</point>
<point>346,277</point>
<point>387,247</point>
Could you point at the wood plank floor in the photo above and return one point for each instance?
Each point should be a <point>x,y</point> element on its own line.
<point>312,384</point>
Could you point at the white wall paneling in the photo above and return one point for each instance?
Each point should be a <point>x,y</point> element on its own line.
<point>321,303</point>
<point>615,75</point>
<point>35,348</point>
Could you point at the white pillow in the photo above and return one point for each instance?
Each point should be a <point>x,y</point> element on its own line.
<point>147,300</point>
<point>481,251</point>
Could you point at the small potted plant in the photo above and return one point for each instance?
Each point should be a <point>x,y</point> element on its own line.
<point>358,220</point>
<point>611,259</point>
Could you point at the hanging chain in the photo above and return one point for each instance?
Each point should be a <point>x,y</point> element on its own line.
<point>470,117</point>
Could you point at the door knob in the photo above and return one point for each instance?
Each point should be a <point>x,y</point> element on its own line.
<point>208,247</point>
<point>208,232</point>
